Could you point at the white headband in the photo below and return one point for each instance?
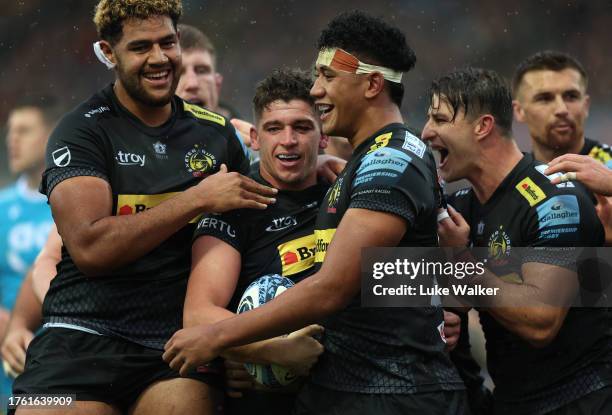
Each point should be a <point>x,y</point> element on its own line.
<point>341,60</point>
<point>101,56</point>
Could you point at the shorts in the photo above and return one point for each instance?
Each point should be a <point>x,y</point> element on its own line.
<point>95,368</point>
<point>258,402</point>
<point>317,400</point>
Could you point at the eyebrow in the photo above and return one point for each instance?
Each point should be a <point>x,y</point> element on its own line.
<point>144,42</point>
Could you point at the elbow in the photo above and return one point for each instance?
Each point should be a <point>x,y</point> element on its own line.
<point>540,337</point>
<point>90,264</point>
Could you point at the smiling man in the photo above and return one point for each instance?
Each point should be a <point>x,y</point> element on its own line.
<point>376,360</point>
<point>128,172</point>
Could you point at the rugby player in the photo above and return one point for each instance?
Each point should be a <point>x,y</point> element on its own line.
<point>128,172</point>
<point>548,359</point>
<point>376,360</point>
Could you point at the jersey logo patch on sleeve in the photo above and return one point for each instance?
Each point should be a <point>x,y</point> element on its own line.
<point>560,214</point>
<point>530,191</point>
<point>379,142</point>
<point>203,114</point>
<point>323,238</point>
<point>384,163</point>
<point>414,145</point>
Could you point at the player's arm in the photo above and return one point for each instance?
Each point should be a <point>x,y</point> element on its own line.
<point>329,290</point>
<point>25,319</point>
<point>44,268</point>
<point>214,276</point>
<point>98,241</point>
<point>543,284</point>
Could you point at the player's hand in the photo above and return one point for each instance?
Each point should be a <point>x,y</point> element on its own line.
<point>191,347</point>
<point>453,231</point>
<point>225,191</point>
<point>14,348</point>
<point>301,350</point>
<point>237,378</point>
<point>604,211</point>
<point>329,167</point>
<point>593,174</point>
<point>243,128</point>
<point>452,329</point>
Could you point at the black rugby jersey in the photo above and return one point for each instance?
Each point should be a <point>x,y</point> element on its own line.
<point>278,240</point>
<point>527,210</point>
<point>598,151</point>
<point>385,350</point>
<point>142,301</point>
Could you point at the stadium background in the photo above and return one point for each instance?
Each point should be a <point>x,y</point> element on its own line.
<point>45,46</point>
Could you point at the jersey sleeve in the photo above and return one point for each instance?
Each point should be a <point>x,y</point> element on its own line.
<point>238,153</point>
<point>74,149</point>
<point>227,227</point>
<point>394,180</point>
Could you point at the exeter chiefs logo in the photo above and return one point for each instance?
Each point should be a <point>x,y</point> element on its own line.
<point>199,162</point>
<point>334,196</point>
<point>499,246</point>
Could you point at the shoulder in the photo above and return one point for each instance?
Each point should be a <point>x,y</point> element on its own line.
<point>202,115</point>
<point>598,151</point>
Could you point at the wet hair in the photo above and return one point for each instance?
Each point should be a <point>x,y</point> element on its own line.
<point>110,15</point>
<point>193,38</point>
<point>283,84</point>
<point>48,106</point>
<point>547,60</point>
<point>476,91</point>
<point>372,41</point>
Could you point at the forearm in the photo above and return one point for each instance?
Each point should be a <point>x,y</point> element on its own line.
<point>114,241</point>
<point>308,302</point>
<point>27,312</point>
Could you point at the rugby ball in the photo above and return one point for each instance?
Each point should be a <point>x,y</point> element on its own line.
<point>259,292</point>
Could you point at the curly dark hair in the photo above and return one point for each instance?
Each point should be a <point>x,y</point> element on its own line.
<point>477,91</point>
<point>547,60</point>
<point>110,14</point>
<point>285,84</point>
<point>372,41</point>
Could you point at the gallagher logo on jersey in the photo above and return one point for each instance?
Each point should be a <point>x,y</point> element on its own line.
<point>297,255</point>
<point>199,161</point>
<point>499,247</point>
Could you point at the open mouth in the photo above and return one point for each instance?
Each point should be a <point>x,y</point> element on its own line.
<point>157,78</point>
<point>443,155</point>
<point>288,159</point>
<point>324,110</point>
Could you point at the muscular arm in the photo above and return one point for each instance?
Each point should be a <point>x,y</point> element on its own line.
<point>98,242</point>
<point>329,290</point>
<point>214,276</point>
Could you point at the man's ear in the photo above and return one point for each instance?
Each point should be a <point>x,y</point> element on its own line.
<point>484,125</point>
<point>218,82</point>
<point>254,139</point>
<point>519,112</point>
<point>376,84</point>
<point>107,49</point>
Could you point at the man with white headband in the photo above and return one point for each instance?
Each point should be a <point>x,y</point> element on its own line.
<point>376,360</point>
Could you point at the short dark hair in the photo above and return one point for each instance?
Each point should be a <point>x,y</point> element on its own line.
<point>285,84</point>
<point>478,91</point>
<point>193,38</point>
<point>110,14</point>
<point>372,41</point>
<point>547,60</point>
<point>48,106</point>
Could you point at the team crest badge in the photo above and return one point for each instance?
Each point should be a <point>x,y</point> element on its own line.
<point>61,157</point>
<point>334,196</point>
<point>199,161</point>
<point>499,247</point>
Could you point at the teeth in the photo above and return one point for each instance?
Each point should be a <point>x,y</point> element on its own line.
<point>324,108</point>
<point>288,156</point>
<point>157,75</point>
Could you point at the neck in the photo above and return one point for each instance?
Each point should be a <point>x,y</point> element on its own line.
<point>546,154</point>
<point>150,115</point>
<point>307,182</point>
<point>373,119</point>
<point>494,165</point>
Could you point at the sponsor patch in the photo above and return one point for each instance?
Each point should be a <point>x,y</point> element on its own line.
<point>560,210</point>
<point>322,238</point>
<point>414,145</point>
<point>384,159</point>
<point>530,191</point>
<point>218,225</point>
<point>279,224</point>
<point>203,114</point>
<point>132,204</point>
<point>297,255</point>
<point>130,159</point>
